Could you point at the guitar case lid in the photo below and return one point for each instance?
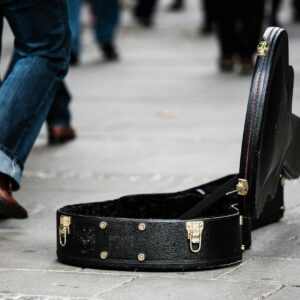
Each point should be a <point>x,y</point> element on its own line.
<point>269,146</point>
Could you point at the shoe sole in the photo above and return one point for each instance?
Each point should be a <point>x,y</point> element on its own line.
<point>60,140</point>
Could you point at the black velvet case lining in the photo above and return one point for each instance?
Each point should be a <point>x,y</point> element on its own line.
<point>156,206</point>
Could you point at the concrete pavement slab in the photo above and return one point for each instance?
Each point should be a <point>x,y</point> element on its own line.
<point>58,283</point>
<point>182,289</point>
<point>287,293</point>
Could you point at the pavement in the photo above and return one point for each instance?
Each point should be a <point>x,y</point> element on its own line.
<point>162,119</point>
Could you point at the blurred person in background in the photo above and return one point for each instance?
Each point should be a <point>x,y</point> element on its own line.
<point>106,15</point>
<point>144,11</point>
<point>275,5</point>
<point>238,29</point>
<point>177,5</point>
<point>41,58</point>
<point>296,6</point>
<point>208,9</point>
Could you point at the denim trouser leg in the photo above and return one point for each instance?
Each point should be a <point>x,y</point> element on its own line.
<point>42,38</point>
<point>74,13</point>
<point>59,113</point>
<point>107,14</point>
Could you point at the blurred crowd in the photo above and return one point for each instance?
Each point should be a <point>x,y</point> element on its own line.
<point>47,41</point>
<point>236,24</point>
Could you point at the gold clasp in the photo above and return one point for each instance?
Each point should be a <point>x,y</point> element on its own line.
<point>263,48</point>
<point>194,230</point>
<point>242,187</point>
<point>64,229</point>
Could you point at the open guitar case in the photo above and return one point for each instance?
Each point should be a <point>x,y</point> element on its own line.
<point>208,226</point>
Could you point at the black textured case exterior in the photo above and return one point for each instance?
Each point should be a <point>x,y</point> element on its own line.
<point>163,242</point>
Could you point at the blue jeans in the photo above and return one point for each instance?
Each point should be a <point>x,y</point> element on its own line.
<point>106,12</point>
<point>42,39</point>
<point>59,113</point>
<point>74,13</point>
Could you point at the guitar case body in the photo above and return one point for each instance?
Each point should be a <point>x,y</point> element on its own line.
<point>208,226</point>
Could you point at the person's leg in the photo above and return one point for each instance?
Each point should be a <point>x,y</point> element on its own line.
<point>74,16</point>
<point>296,5</point>
<point>275,4</point>
<point>59,117</point>
<point>42,39</point>
<point>226,32</point>
<point>107,15</point>
<point>251,16</point>
<point>208,12</point>
<point>177,5</point>
<point>144,11</point>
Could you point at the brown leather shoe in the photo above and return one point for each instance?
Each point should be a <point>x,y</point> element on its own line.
<point>9,207</point>
<point>60,134</point>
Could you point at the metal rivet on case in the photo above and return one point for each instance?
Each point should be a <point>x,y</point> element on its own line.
<point>104,255</point>
<point>243,248</point>
<point>141,257</point>
<point>142,226</point>
<point>103,225</point>
<point>282,207</point>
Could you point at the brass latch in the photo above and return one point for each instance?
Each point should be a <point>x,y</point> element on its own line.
<point>242,187</point>
<point>194,230</point>
<point>64,229</point>
<point>263,48</point>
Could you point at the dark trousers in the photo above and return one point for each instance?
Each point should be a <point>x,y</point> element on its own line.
<point>106,13</point>
<point>59,113</point>
<point>208,9</point>
<point>275,8</point>
<point>145,9</point>
<point>297,6</point>
<point>239,26</point>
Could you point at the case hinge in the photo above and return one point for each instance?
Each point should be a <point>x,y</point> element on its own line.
<point>64,229</point>
<point>194,230</point>
<point>242,187</point>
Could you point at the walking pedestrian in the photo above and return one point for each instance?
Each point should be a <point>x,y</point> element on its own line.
<point>144,11</point>
<point>275,5</point>
<point>208,16</point>
<point>238,28</point>
<point>296,7</point>
<point>176,5</point>
<point>106,15</point>
<point>42,37</point>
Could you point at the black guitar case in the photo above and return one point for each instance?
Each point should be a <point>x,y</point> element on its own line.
<point>208,226</point>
